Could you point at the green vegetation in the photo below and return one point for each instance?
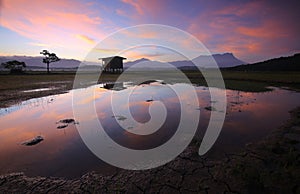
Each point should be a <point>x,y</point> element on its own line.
<point>32,81</point>
<point>252,81</point>
<point>245,81</point>
<point>290,63</point>
<point>49,58</point>
<point>15,67</point>
<point>12,86</point>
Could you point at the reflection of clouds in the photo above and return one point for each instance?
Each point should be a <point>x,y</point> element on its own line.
<point>90,94</point>
<point>141,104</point>
<point>258,113</point>
<point>27,123</point>
<point>267,111</point>
<point>262,105</point>
<point>13,134</point>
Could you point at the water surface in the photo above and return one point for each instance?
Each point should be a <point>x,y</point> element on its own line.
<point>249,117</point>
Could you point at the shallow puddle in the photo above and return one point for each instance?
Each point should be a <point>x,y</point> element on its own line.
<point>249,117</point>
<point>40,89</point>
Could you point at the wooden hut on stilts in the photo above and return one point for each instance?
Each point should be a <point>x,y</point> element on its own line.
<point>112,64</point>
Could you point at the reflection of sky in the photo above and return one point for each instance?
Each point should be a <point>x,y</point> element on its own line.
<point>249,117</point>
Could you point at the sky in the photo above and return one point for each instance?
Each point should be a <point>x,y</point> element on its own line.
<point>251,30</point>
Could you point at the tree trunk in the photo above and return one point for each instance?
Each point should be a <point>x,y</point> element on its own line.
<point>48,68</point>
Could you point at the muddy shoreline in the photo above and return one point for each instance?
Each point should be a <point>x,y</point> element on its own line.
<point>268,166</point>
<point>12,86</point>
<point>15,96</point>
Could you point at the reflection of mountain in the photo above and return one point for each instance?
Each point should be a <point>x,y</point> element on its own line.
<point>222,60</point>
<point>291,63</point>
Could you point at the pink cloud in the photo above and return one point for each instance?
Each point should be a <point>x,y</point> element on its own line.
<point>136,5</point>
<point>33,19</point>
<point>248,29</point>
<point>52,22</point>
<point>195,29</point>
<point>240,27</point>
<point>145,9</point>
<point>136,54</point>
<point>269,29</point>
<point>243,10</point>
<point>85,38</point>
<point>121,12</point>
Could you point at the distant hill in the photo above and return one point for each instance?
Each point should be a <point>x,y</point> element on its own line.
<point>37,62</point>
<point>290,63</point>
<point>222,60</point>
<point>146,64</point>
<point>130,63</point>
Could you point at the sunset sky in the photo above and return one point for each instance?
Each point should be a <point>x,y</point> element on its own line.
<point>252,30</point>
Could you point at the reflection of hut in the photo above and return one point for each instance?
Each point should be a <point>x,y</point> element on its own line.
<point>114,86</point>
<point>112,64</point>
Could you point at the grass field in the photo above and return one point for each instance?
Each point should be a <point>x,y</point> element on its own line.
<point>254,81</point>
<point>233,79</point>
<point>12,87</point>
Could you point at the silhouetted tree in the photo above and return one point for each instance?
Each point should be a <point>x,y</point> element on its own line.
<point>49,58</point>
<point>16,67</point>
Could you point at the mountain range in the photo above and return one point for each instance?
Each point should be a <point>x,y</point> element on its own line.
<point>223,60</point>
<point>290,63</point>
<point>37,62</point>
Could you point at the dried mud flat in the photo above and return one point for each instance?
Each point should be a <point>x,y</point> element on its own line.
<point>269,166</point>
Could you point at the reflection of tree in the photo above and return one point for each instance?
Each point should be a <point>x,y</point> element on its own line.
<point>49,58</point>
<point>16,67</point>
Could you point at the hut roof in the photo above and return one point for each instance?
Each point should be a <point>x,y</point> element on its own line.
<point>109,58</point>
